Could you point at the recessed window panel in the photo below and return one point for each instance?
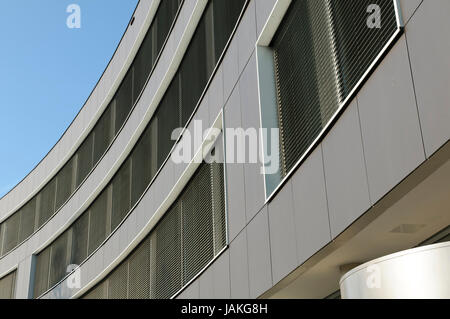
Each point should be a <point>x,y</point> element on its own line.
<point>226,14</point>
<point>103,134</point>
<point>65,181</point>
<point>142,166</point>
<point>99,221</point>
<point>7,286</point>
<point>58,259</point>
<point>121,198</point>
<point>42,272</point>
<point>11,233</point>
<point>84,159</point>
<point>27,220</point>
<point>80,231</point>
<point>117,283</point>
<point>198,228</point>
<point>190,234</point>
<point>168,120</point>
<point>124,101</point>
<point>193,72</point>
<point>139,272</point>
<point>46,202</point>
<point>168,257</point>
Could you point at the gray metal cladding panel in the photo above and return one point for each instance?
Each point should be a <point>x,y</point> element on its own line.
<point>121,194</point>
<point>47,202</point>
<point>123,100</point>
<point>41,272</point>
<point>84,159</point>
<point>103,133</point>
<point>98,225</point>
<point>27,220</point>
<point>139,272</point>
<point>58,259</point>
<point>11,233</point>
<point>117,282</point>
<point>65,181</point>
<point>7,286</point>
<point>80,240</point>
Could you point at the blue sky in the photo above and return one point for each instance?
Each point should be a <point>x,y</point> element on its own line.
<point>47,72</point>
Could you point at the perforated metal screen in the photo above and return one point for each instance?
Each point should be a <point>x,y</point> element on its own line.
<point>321,51</point>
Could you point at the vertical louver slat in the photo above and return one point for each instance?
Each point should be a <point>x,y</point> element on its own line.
<point>321,51</point>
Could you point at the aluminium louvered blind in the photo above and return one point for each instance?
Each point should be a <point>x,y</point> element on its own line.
<point>185,240</point>
<point>321,51</point>
<point>7,286</point>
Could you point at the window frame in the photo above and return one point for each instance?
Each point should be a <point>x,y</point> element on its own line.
<point>267,87</point>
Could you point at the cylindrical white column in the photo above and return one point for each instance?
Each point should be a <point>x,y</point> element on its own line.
<point>422,272</point>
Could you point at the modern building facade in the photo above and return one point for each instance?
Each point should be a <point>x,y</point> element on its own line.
<point>249,149</point>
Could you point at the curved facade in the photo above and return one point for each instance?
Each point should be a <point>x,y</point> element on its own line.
<point>361,146</point>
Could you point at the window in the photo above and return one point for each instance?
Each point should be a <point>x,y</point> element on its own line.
<point>188,237</point>
<point>62,186</point>
<point>8,285</point>
<point>321,51</point>
<point>137,172</point>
